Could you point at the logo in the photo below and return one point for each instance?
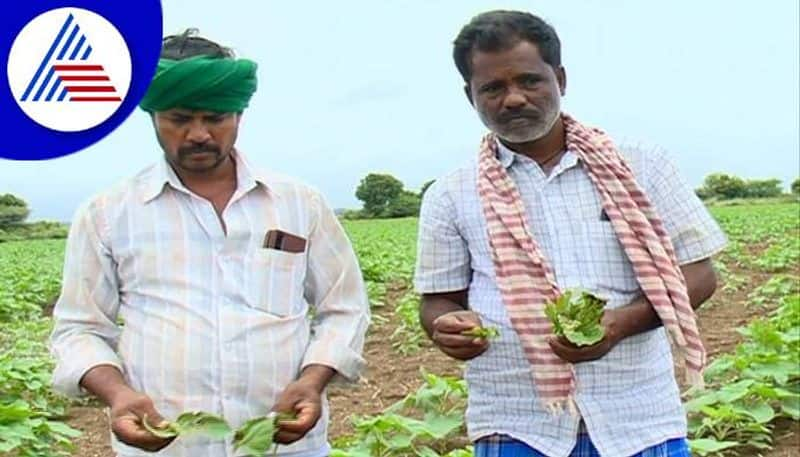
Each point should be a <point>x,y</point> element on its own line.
<point>74,71</point>
<point>69,69</point>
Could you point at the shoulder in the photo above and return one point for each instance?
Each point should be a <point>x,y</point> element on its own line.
<point>458,181</point>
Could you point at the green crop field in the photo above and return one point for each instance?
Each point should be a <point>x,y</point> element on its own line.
<point>751,405</point>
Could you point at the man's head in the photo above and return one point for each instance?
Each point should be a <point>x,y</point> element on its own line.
<point>195,117</point>
<point>511,65</point>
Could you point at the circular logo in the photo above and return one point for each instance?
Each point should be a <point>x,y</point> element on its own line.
<point>69,69</point>
<point>75,70</point>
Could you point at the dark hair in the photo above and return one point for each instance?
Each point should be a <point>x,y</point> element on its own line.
<point>500,30</point>
<point>188,44</point>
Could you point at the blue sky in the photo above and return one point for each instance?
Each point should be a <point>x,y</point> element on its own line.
<point>353,87</point>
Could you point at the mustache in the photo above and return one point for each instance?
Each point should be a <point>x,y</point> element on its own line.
<point>198,149</point>
<point>518,114</point>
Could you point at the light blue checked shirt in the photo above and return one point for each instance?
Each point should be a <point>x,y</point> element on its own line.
<point>629,399</point>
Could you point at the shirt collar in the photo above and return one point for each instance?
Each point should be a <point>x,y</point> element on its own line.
<point>162,174</point>
<point>507,157</point>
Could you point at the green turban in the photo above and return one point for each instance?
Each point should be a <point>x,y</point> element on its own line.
<point>202,83</point>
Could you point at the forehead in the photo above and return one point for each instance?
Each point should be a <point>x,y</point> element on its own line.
<point>521,57</point>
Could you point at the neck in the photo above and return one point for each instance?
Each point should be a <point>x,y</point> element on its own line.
<point>546,148</point>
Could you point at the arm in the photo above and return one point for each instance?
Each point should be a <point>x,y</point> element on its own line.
<point>443,275</point>
<point>85,334</point>
<point>335,290</point>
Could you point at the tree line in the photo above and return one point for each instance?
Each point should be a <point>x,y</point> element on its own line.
<point>385,196</point>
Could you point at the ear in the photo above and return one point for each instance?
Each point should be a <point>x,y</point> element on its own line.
<point>468,93</point>
<point>561,75</point>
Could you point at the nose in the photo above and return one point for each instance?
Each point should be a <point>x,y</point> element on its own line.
<point>514,100</point>
<point>198,133</point>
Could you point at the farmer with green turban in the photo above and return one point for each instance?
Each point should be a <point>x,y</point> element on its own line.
<point>216,269</point>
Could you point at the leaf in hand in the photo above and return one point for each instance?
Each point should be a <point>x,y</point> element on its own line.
<point>192,423</point>
<point>576,315</point>
<point>487,333</point>
<point>257,436</point>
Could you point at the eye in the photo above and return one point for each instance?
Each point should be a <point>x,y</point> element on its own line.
<point>491,89</point>
<point>530,81</point>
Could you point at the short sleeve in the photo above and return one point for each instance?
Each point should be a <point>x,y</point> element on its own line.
<point>443,262</point>
<point>694,232</point>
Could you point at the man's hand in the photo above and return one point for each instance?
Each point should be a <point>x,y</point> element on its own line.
<point>574,354</point>
<point>303,400</point>
<point>447,335</point>
<point>128,410</point>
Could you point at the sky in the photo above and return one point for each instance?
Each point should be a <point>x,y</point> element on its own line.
<point>348,88</point>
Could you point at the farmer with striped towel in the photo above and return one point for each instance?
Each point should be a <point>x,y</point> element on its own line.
<point>546,204</point>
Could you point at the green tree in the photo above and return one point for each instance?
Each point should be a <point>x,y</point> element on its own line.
<point>763,188</point>
<point>13,210</point>
<point>377,191</point>
<point>720,185</point>
<point>404,205</point>
<point>796,186</point>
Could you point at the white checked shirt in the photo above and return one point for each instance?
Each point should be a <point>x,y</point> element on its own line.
<point>212,322</point>
<point>629,399</point>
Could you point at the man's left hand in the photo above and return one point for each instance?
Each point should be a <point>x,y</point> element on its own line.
<point>303,399</point>
<point>574,354</point>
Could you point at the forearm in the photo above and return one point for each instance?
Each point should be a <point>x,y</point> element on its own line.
<point>317,376</point>
<point>435,305</point>
<point>106,383</point>
<point>640,316</point>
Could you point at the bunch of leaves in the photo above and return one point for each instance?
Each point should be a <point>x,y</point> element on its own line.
<point>30,413</point>
<point>576,315</point>
<point>408,336</point>
<point>418,425</point>
<point>776,287</point>
<point>782,255</point>
<point>26,285</point>
<point>751,387</point>
<point>191,423</point>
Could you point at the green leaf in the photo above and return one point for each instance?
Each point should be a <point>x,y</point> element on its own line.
<point>200,423</point>
<point>790,406</point>
<point>705,446</point>
<point>256,436</point>
<point>488,333</point>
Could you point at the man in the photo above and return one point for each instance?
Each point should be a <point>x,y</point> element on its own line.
<point>551,205</point>
<point>215,270</point>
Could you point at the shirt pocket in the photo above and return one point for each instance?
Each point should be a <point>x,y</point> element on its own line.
<point>279,278</point>
<point>606,260</point>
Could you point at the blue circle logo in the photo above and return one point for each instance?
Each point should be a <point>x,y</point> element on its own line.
<point>74,73</point>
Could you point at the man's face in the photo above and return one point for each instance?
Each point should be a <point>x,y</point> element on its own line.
<point>516,93</point>
<point>196,141</point>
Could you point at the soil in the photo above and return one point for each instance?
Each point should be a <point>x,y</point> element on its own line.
<point>391,376</point>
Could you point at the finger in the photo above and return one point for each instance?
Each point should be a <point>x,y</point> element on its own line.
<point>561,350</point>
<point>308,414</point>
<point>287,437</point>
<point>130,431</point>
<point>457,340</point>
<point>455,324</point>
<point>465,353</point>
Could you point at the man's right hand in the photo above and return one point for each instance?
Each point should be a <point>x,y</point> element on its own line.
<point>128,410</point>
<point>447,335</point>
